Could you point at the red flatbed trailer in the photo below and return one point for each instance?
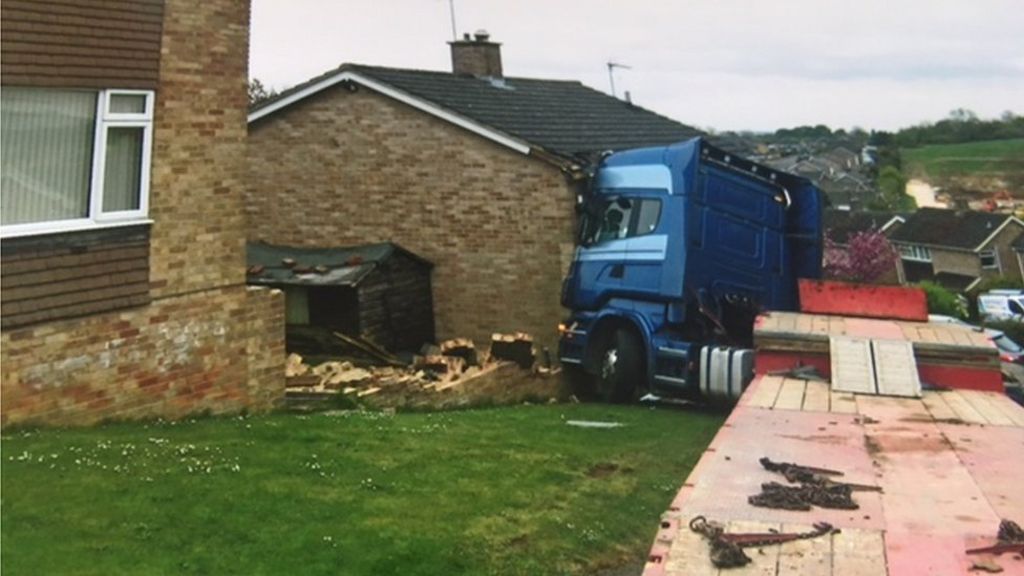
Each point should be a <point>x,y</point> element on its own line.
<point>949,461</point>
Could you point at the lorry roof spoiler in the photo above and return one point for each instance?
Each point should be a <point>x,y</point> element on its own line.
<point>768,174</point>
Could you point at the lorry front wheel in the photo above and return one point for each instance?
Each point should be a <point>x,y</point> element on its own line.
<point>621,375</point>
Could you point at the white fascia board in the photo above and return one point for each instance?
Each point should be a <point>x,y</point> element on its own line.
<point>1011,219</point>
<point>892,221</point>
<point>405,98</point>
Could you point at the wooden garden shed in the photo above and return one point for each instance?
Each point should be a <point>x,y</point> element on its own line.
<point>379,292</point>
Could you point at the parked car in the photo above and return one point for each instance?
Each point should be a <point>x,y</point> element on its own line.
<point>1009,351</point>
<point>1001,305</point>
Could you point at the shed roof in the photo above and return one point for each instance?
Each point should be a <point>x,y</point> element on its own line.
<point>562,117</point>
<point>965,230</point>
<point>336,266</point>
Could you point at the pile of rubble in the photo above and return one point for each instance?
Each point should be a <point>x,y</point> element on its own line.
<point>452,374</point>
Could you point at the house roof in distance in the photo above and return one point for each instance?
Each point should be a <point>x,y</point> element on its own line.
<point>965,230</point>
<point>840,225</point>
<point>562,117</point>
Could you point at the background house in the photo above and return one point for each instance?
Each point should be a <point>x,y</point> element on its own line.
<point>123,238</point>
<point>474,171</point>
<point>957,249</point>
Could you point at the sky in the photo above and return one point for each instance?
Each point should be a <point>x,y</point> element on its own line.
<point>715,64</point>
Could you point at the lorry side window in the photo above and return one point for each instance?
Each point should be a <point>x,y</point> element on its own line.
<point>647,217</point>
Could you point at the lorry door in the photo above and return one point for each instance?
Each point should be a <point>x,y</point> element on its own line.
<point>600,261</point>
<point>646,246</point>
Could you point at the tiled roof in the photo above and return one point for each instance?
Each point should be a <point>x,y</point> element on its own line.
<point>949,228</point>
<point>841,224</point>
<point>560,116</point>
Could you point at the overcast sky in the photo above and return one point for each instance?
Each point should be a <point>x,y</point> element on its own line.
<point>722,64</point>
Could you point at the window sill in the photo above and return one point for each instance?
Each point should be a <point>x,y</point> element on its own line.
<point>21,231</point>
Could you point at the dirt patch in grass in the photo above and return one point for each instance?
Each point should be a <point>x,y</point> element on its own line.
<point>602,470</point>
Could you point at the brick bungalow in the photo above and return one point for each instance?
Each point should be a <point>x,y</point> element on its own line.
<point>474,171</point>
<point>123,229</point>
<point>957,249</point>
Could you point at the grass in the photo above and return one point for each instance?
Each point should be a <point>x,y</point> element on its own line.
<point>989,158</point>
<point>496,491</point>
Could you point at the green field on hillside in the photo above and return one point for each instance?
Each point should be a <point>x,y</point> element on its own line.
<point>989,158</point>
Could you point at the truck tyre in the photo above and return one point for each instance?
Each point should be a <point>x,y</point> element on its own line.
<point>620,376</point>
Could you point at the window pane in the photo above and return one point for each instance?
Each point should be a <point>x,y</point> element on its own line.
<point>647,220</point>
<point>127,104</point>
<point>46,161</point>
<point>123,169</point>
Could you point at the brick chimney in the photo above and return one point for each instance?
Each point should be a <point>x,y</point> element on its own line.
<point>476,56</point>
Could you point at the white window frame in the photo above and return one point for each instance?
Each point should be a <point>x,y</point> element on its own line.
<point>915,253</point>
<point>995,260</point>
<point>97,217</point>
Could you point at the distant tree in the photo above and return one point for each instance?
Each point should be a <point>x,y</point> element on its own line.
<point>892,191</point>
<point>258,93</point>
<point>963,115</point>
<point>867,257</point>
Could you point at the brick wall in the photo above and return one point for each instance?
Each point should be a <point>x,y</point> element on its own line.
<point>216,351</point>
<point>348,168</point>
<point>199,139</point>
<point>206,341</point>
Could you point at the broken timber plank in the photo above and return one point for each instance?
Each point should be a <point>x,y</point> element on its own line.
<point>370,348</point>
<point>852,365</point>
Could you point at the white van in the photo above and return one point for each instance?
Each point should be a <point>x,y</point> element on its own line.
<point>1001,305</point>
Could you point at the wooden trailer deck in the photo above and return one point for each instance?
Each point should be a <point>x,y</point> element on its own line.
<point>949,463</point>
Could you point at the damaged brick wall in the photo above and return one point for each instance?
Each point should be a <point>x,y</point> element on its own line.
<point>206,342</point>
<point>354,167</point>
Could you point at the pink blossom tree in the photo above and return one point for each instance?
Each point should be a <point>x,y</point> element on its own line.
<point>867,257</point>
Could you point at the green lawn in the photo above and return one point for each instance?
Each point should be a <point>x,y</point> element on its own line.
<point>990,158</point>
<point>495,491</point>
